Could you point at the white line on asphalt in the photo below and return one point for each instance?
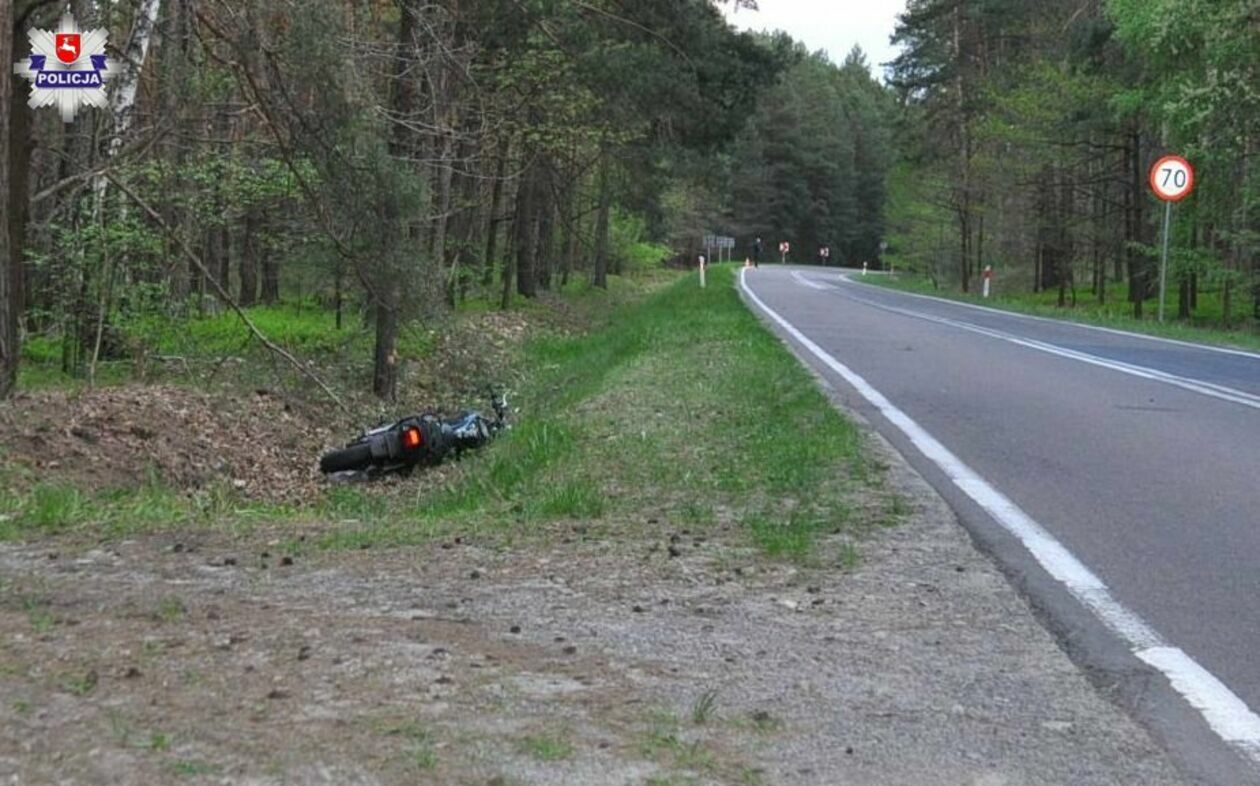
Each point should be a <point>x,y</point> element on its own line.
<point>796,274</point>
<point>1114,331</point>
<point>1226,714</point>
<point>1145,372</point>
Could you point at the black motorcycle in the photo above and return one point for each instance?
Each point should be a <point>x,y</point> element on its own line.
<point>419,440</point>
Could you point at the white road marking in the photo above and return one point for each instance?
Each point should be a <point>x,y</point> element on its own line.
<point>1199,386</point>
<point>809,282</point>
<point>1226,714</point>
<point>1114,331</point>
<point>1187,383</point>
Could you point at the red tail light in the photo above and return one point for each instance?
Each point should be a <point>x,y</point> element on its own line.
<point>411,438</point>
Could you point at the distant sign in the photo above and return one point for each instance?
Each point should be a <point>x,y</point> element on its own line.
<point>1172,178</point>
<point>785,247</point>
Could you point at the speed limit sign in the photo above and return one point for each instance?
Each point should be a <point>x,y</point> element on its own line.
<point>1172,178</point>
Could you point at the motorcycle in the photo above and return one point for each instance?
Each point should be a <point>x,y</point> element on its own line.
<point>419,440</point>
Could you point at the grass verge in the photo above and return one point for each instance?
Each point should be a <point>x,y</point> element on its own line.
<point>682,408</point>
<point>679,408</point>
<point>1116,312</point>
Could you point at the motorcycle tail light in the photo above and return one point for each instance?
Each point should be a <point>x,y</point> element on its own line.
<point>411,438</point>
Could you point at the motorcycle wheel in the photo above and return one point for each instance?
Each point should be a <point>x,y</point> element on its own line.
<point>355,457</point>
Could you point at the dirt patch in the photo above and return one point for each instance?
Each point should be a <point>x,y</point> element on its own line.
<point>669,655</point>
<point>120,437</point>
<point>264,442</point>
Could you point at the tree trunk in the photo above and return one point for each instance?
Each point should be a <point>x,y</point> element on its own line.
<point>1038,266</point>
<point>526,232</point>
<point>270,277</point>
<point>385,357</point>
<point>1138,263</point>
<point>387,294</point>
<point>546,228</point>
<point>338,276</point>
<point>223,251</point>
<point>442,208</point>
<point>570,218</point>
<point>964,154</point>
<point>496,206</point>
<point>248,266</point>
<point>601,227</point>
<point>10,257</point>
<point>505,298</point>
<point>122,93</point>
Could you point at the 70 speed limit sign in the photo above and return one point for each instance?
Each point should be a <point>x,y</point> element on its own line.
<point>1172,178</point>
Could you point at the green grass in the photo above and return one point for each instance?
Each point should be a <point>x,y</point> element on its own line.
<point>306,330</point>
<point>702,710</point>
<point>546,747</point>
<point>49,508</point>
<point>664,743</point>
<point>679,406</point>
<point>682,404</point>
<point>1117,312</point>
<point>300,328</point>
<point>417,749</point>
<point>171,609</point>
<point>38,615</point>
<point>159,742</point>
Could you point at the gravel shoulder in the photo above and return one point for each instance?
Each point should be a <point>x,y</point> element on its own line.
<point>663,655</point>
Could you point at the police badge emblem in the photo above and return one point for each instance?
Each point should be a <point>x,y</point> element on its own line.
<point>67,69</point>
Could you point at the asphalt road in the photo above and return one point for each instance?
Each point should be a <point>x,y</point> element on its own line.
<point>1115,477</point>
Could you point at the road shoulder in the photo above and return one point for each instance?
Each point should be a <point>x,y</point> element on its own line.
<point>587,661</point>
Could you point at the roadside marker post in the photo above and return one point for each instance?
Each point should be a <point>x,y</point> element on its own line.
<point>702,271</point>
<point>784,248</point>
<point>1172,180</point>
<point>863,268</point>
<point>988,277</point>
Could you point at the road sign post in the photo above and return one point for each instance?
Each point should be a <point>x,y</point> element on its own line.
<point>784,248</point>
<point>1172,180</point>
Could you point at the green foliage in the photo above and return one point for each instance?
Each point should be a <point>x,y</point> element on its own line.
<point>546,747</point>
<point>629,243</point>
<point>682,403</point>
<point>54,507</point>
<point>812,164</point>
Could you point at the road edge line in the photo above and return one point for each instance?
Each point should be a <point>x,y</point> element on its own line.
<point>1191,384</point>
<point>1227,715</point>
<point>1071,323</point>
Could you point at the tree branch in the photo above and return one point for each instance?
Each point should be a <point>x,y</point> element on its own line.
<point>196,260</point>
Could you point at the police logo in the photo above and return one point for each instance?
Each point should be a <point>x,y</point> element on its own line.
<point>67,69</point>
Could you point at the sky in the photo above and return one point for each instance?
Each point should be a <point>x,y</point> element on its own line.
<point>833,25</point>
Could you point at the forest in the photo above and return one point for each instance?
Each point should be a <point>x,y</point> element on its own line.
<point>1029,130</point>
<point>392,161</point>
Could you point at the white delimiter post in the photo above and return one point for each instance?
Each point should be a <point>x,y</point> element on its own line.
<point>988,276</point>
<point>702,271</point>
<point>863,268</point>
